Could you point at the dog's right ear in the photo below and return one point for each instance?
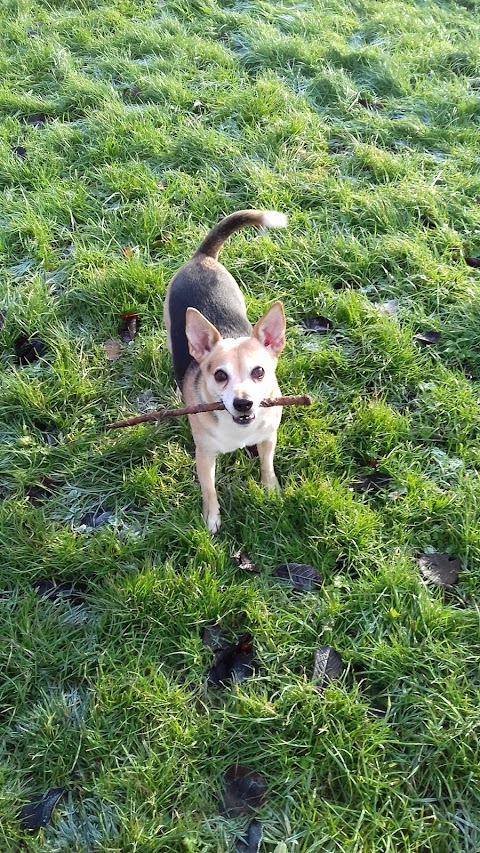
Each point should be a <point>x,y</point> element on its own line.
<point>201,334</point>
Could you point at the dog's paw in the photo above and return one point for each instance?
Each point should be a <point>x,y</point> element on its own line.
<point>213,521</point>
<point>271,483</point>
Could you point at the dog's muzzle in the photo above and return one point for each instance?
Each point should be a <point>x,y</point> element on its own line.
<point>243,406</point>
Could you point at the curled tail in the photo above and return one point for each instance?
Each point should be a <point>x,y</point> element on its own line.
<point>215,238</point>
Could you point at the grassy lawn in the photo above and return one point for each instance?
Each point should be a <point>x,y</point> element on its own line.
<point>127,130</point>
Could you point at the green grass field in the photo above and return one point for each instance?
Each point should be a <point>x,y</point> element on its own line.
<point>137,126</point>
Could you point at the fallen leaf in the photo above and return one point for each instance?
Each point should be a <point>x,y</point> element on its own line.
<point>252,840</point>
<point>327,665</point>
<point>160,239</point>
<point>473,262</point>
<point>320,325</point>
<point>427,222</point>
<point>97,518</point>
<point>113,349</point>
<point>133,92</point>
<point>251,451</point>
<point>374,482</point>
<point>38,492</point>
<point>67,250</point>
<point>244,791</point>
<point>369,105</point>
<point>131,251</point>
<point>37,813</point>
<point>440,569</point>
<point>36,119</point>
<point>300,576</point>
<point>129,325</point>
<point>20,151</point>
<point>34,31</point>
<point>74,591</point>
<point>233,663</point>
<point>390,308</point>
<point>197,107</point>
<point>214,637</point>
<point>28,349</point>
<point>371,690</point>
<point>428,337</point>
<point>244,562</point>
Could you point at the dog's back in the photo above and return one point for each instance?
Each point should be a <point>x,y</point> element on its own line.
<point>203,283</point>
<point>206,285</point>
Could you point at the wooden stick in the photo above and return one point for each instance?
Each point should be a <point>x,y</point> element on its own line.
<point>151,417</point>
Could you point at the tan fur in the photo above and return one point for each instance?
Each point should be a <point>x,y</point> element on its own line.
<point>219,432</point>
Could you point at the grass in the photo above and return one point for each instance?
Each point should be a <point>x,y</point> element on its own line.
<point>361,122</point>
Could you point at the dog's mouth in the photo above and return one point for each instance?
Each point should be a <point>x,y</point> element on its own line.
<point>244,420</point>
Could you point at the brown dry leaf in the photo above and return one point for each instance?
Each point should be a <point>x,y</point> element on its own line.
<point>131,251</point>
<point>113,349</point>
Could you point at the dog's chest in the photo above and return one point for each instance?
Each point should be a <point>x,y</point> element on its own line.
<point>223,435</point>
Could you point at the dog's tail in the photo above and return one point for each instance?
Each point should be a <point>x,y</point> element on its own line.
<point>262,219</point>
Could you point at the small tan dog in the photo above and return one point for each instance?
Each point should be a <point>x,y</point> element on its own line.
<point>218,357</point>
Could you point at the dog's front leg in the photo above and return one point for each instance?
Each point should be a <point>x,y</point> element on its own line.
<point>206,475</point>
<point>266,451</point>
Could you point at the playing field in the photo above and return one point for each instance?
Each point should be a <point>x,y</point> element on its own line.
<point>127,130</point>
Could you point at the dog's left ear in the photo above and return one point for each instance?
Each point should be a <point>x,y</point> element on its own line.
<point>270,329</point>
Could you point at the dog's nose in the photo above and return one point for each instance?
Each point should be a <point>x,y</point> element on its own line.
<point>242,404</point>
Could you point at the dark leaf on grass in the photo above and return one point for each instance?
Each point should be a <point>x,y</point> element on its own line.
<point>3,314</point>
<point>253,839</point>
<point>214,637</point>
<point>129,325</point>
<point>133,92</point>
<point>38,492</point>
<point>440,569</point>
<point>244,562</point>
<point>67,250</point>
<point>74,591</point>
<point>97,518</point>
<point>28,349</point>
<point>374,482</point>
<point>473,262</point>
<point>371,690</point>
<point>234,663</point>
<point>49,438</point>
<point>36,119</point>
<point>252,451</point>
<point>369,105</point>
<point>327,665</point>
<point>428,337</point>
<point>160,240</point>
<point>320,325</point>
<point>37,813</point>
<point>48,431</point>
<point>244,791</point>
<point>20,151</point>
<point>300,576</point>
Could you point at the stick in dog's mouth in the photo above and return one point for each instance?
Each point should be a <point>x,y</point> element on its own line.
<point>151,417</point>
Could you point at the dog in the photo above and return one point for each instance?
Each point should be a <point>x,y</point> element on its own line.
<point>218,357</point>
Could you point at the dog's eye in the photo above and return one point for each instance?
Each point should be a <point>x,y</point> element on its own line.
<point>258,373</point>
<point>220,376</point>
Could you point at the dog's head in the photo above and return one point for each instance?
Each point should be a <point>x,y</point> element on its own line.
<point>239,372</point>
